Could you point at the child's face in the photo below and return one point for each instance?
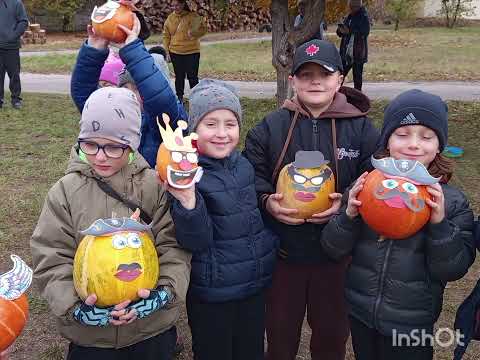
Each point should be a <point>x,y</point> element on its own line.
<point>104,165</point>
<point>315,86</point>
<point>414,142</point>
<point>218,134</point>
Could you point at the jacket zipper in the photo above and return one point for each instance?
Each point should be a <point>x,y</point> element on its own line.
<point>382,281</point>
<point>315,134</point>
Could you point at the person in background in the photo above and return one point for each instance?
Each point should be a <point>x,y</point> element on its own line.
<point>299,20</point>
<point>13,23</point>
<point>354,32</point>
<point>181,37</point>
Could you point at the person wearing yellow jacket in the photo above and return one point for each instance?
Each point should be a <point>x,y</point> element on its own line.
<point>181,38</point>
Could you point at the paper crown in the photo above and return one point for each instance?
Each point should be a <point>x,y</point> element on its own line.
<point>174,139</point>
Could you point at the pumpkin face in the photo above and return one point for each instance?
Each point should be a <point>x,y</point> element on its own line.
<point>177,157</point>
<point>13,316</point>
<point>394,207</point>
<point>106,18</point>
<point>306,188</point>
<point>115,266</point>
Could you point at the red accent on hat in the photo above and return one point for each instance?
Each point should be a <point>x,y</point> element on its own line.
<point>312,49</point>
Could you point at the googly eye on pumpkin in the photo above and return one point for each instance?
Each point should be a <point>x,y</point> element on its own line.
<point>390,184</point>
<point>119,242</point>
<point>299,179</point>
<point>318,180</point>
<point>176,156</point>
<point>134,241</point>
<point>410,188</point>
<point>192,157</point>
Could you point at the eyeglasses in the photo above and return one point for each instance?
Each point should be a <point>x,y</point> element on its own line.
<point>110,150</point>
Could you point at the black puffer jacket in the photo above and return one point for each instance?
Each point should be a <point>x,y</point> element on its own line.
<point>356,141</point>
<point>399,284</point>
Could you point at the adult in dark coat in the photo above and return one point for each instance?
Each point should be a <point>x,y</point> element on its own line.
<point>14,22</point>
<point>354,45</point>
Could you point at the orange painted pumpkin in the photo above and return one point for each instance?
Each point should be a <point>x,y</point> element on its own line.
<point>106,18</point>
<point>393,206</point>
<point>306,184</point>
<point>13,317</point>
<point>177,157</point>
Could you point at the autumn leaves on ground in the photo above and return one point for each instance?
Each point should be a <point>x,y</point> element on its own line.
<point>34,148</point>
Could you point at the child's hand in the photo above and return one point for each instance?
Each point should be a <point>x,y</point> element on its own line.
<point>4,355</point>
<point>121,314</point>
<point>437,203</point>
<point>88,314</point>
<point>132,35</point>
<point>151,301</point>
<point>353,203</point>
<point>185,196</point>
<point>96,41</point>
<point>325,216</point>
<point>280,213</point>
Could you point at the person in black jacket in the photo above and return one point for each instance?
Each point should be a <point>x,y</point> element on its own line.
<point>395,287</point>
<point>354,44</point>
<point>218,220</point>
<point>325,117</point>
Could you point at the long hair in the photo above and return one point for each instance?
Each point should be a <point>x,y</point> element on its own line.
<point>441,166</point>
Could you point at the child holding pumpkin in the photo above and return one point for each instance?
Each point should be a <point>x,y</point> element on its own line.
<point>218,220</point>
<point>395,287</point>
<point>106,153</point>
<point>327,118</point>
<point>141,75</point>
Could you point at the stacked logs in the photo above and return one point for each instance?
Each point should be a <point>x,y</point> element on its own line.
<point>242,15</point>
<point>34,35</point>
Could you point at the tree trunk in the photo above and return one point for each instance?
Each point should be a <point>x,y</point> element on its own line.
<point>285,39</point>
<point>397,22</point>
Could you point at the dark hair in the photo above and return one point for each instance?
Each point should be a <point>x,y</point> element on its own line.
<point>185,4</point>
<point>441,166</point>
<point>158,50</point>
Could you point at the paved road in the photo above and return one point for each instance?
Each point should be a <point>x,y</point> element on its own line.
<point>448,90</point>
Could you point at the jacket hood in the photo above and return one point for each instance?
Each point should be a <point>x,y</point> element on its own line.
<point>75,164</point>
<point>347,103</point>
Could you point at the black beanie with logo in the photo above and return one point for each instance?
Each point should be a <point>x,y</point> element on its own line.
<point>416,107</point>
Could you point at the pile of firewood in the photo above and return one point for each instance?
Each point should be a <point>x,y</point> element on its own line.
<point>34,35</point>
<point>242,15</point>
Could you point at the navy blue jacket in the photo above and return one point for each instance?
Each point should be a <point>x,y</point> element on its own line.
<point>153,87</point>
<point>233,252</point>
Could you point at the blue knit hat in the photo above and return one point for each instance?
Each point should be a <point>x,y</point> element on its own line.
<point>416,107</point>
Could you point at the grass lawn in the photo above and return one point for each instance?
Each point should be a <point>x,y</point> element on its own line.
<point>408,54</point>
<point>35,143</point>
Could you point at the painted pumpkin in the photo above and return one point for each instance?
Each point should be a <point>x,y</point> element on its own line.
<point>106,18</point>
<point>393,197</point>
<point>13,302</point>
<point>177,157</point>
<point>306,184</point>
<point>115,259</point>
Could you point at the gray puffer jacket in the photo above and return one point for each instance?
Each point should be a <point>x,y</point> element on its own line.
<point>398,284</point>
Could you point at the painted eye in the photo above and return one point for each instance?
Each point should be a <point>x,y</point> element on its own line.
<point>134,241</point>
<point>318,180</point>
<point>192,158</point>
<point>299,179</point>
<point>390,184</point>
<point>119,242</point>
<point>176,156</point>
<point>410,188</point>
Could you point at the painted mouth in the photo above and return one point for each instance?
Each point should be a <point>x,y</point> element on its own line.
<point>303,196</point>
<point>183,179</point>
<point>396,202</point>
<point>128,272</point>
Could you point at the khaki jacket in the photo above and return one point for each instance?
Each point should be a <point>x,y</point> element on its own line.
<point>175,32</point>
<point>73,204</point>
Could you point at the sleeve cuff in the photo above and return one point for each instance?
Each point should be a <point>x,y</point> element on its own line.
<point>441,230</point>
<point>345,222</point>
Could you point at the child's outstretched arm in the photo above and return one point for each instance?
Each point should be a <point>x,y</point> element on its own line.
<point>90,60</point>
<point>53,247</point>
<point>449,244</point>
<point>339,235</point>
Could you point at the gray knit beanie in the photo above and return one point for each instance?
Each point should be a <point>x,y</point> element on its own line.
<point>114,114</point>
<point>209,95</point>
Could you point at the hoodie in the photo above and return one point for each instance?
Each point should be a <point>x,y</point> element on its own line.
<point>13,18</point>
<point>356,139</point>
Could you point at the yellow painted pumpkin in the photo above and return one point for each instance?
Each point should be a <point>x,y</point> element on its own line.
<point>306,184</point>
<point>114,263</point>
